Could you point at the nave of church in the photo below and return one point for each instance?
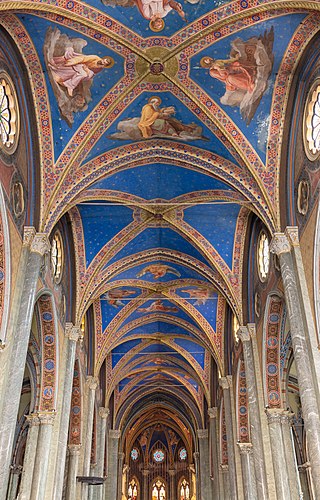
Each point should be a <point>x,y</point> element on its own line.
<point>159,250</point>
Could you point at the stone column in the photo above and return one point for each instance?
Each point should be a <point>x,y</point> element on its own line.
<point>278,454</point>
<point>72,334</point>
<point>173,492</point>
<point>120,470</point>
<point>226,384</point>
<point>42,455</point>
<point>226,482</point>
<point>74,452</point>
<point>196,457</point>
<point>282,245</point>
<point>112,477</point>
<point>248,472</point>
<point>35,245</point>
<point>204,461</point>
<point>92,384</point>
<point>145,475</point>
<point>286,423</point>
<point>103,417</point>
<point>14,480</point>
<point>29,457</point>
<point>213,446</point>
<point>254,415</point>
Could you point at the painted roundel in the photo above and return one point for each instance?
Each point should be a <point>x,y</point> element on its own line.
<point>311,126</point>
<point>158,456</point>
<point>183,454</point>
<point>134,454</point>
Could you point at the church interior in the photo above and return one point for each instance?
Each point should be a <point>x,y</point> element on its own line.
<point>159,250</point>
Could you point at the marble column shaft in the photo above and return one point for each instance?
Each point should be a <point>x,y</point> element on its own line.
<point>120,470</point>
<point>286,422</point>
<point>203,439</point>
<point>40,470</point>
<point>92,384</point>
<point>173,492</point>
<point>254,414</point>
<point>278,454</point>
<point>248,472</point>
<point>102,427</point>
<point>282,246</point>
<point>224,468</point>
<point>74,452</point>
<point>145,475</point>
<point>35,246</point>
<point>72,334</point>
<point>14,480</point>
<point>226,384</point>
<point>214,460</point>
<point>112,477</point>
<point>196,457</point>
<point>29,457</point>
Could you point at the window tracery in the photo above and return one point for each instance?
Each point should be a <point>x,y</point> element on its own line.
<point>9,115</point>
<point>263,256</point>
<point>159,490</point>
<point>57,256</point>
<point>311,126</point>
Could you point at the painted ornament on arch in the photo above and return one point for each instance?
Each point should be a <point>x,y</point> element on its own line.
<point>157,122</point>
<point>153,10</point>
<point>71,72</point>
<point>245,74</point>
<point>114,297</point>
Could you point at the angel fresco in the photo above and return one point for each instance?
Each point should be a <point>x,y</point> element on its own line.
<point>153,10</point>
<point>245,74</point>
<point>158,306</point>
<point>114,297</point>
<point>200,294</point>
<point>156,122</point>
<point>158,271</point>
<point>71,72</point>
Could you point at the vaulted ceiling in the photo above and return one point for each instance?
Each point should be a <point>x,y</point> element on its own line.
<point>160,200</point>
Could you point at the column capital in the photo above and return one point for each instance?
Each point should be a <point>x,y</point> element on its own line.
<point>32,419</point>
<point>40,244</point>
<point>16,469</point>
<point>280,244</point>
<point>224,468</point>
<point>72,332</point>
<point>252,330</point>
<point>245,448</point>
<point>104,412</point>
<point>92,382</point>
<point>202,433</point>
<point>46,417</point>
<point>213,412</point>
<point>74,449</point>
<point>29,233</point>
<point>274,415</point>
<point>225,382</point>
<point>145,472</point>
<point>287,417</point>
<point>172,472</point>
<point>243,334</point>
<point>292,233</point>
<point>114,434</point>
<point>196,455</point>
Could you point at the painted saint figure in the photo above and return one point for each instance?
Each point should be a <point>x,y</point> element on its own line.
<point>71,72</point>
<point>245,74</point>
<point>153,10</point>
<point>72,68</point>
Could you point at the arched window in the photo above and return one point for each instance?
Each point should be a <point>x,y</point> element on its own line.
<point>133,490</point>
<point>159,491</point>
<point>184,490</point>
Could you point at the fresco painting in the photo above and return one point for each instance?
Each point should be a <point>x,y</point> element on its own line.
<point>158,271</point>
<point>245,74</point>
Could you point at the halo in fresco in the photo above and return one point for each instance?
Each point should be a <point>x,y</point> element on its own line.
<point>71,72</point>
<point>153,10</point>
<point>155,121</point>
<point>245,74</point>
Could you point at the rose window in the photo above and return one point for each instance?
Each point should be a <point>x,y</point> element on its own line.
<point>8,115</point>
<point>158,456</point>
<point>134,454</point>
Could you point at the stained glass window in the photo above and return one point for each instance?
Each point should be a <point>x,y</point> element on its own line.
<point>263,256</point>
<point>134,454</point>
<point>183,454</point>
<point>158,456</point>
<point>8,115</point>
<point>57,256</point>
<point>312,124</point>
